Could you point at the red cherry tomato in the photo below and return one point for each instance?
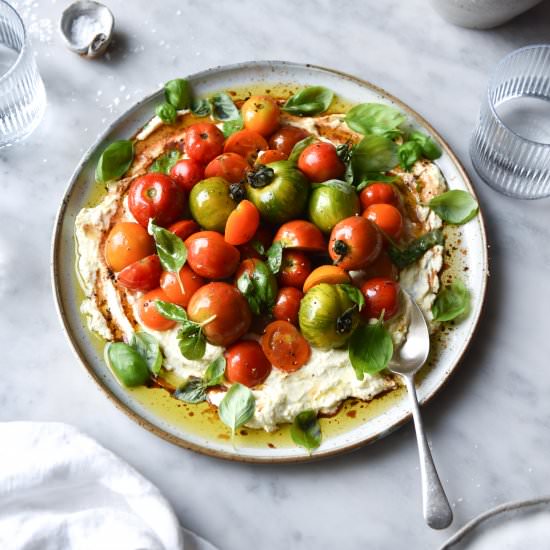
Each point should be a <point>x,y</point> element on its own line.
<point>246,143</point>
<point>158,197</point>
<point>148,312</point>
<point>127,243</point>
<point>141,275</point>
<point>187,173</point>
<point>242,223</point>
<point>300,234</point>
<point>261,114</point>
<point>210,256</point>
<point>287,304</point>
<point>246,363</point>
<point>387,217</point>
<point>284,346</point>
<point>320,162</point>
<point>285,138</point>
<point>380,295</point>
<point>377,193</point>
<point>295,269</point>
<point>381,267</point>
<point>271,155</point>
<point>203,142</point>
<point>229,166</point>
<point>184,228</point>
<point>179,291</point>
<point>353,243</point>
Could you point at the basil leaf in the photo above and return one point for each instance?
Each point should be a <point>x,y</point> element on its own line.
<point>451,302</point>
<point>375,118</point>
<point>370,349</point>
<point>167,113</point>
<point>114,161</point>
<point>232,126</point>
<point>170,248</point>
<point>375,177</point>
<point>430,149</point>
<point>409,153</point>
<point>258,247</point>
<point>171,311</point>
<point>354,294</point>
<point>223,107</point>
<point>299,147</point>
<point>191,341</point>
<point>259,288</point>
<point>373,154</point>
<point>275,257</point>
<point>191,391</point>
<point>237,407</point>
<point>416,249</point>
<point>127,364</point>
<point>248,290</point>
<point>309,101</point>
<point>201,107</point>
<point>166,162</point>
<point>215,371</point>
<point>178,93</point>
<point>306,430</point>
<point>455,206</point>
<point>148,347</point>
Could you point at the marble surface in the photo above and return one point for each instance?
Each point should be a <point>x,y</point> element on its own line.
<point>490,427</point>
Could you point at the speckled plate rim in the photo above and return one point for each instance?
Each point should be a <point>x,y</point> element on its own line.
<point>235,456</point>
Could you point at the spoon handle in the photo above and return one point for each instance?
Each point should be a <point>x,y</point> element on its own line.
<point>436,509</point>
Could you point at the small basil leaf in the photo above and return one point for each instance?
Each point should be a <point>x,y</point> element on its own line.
<point>455,206</point>
<point>248,290</point>
<point>275,257</point>
<point>299,147</point>
<point>215,371</point>
<point>259,288</point>
<point>409,153</point>
<point>166,162</point>
<point>232,126</point>
<point>237,407</point>
<point>430,149</point>
<point>223,107</point>
<point>191,391</point>
<point>344,151</point>
<point>354,294</point>
<point>178,93</point>
<point>375,118</point>
<point>416,249</point>
<point>170,248</point>
<point>451,302</point>
<point>258,247</point>
<point>114,161</point>
<point>375,177</point>
<point>306,430</point>
<point>127,364</point>
<point>201,107</point>
<point>148,347</point>
<point>167,113</point>
<point>191,341</point>
<point>373,154</point>
<point>370,349</point>
<point>309,101</point>
<point>171,311</point>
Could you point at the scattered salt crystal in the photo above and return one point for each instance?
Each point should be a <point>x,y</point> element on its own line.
<point>122,88</point>
<point>178,12</point>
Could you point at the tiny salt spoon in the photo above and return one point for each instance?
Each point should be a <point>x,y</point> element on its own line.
<point>407,361</point>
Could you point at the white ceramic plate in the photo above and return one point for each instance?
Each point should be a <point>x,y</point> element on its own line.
<point>85,345</point>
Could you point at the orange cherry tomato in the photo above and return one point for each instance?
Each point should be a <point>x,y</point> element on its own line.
<point>141,275</point>
<point>300,234</point>
<point>320,162</point>
<point>387,217</point>
<point>285,138</point>
<point>330,274</point>
<point>377,193</point>
<point>229,166</point>
<point>246,143</point>
<point>127,243</point>
<point>203,142</point>
<point>148,312</point>
<point>287,304</point>
<point>284,346</point>
<point>246,363</point>
<point>242,223</point>
<point>210,256</point>
<point>380,295</point>
<point>184,228</point>
<point>181,293</point>
<point>271,155</point>
<point>187,173</point>
<point>295,268</point>
<point>261,114</point>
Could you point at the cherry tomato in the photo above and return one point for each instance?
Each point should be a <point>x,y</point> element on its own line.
<point>187,173</point>
<point>210,256</point>
<point>271,155</point>
<point>246,363</point>
<point>127,243</point>
<point>141,275</point>
<point>285,138</point>
<point>156,196</point>
<point>377,193</point>
<point>284,346</point>
<point>329,274</point>
<point>387,217</point>
<point>203,142</point>
<point>353,243</point>
<point>295,269</point>
<point>261,240</point>
<point>148,312</point>
<point>261,114</point>
<point>242,223</point>
<point>184,228</point>
<point>181,293</point>
<point>229,166</point>
<point>246,143</point>
<point>300,234</point>
<point>226,310</point>
<point>381,267</point>
<point>380,294</point>
<point>287,304</point>
<point>320,162</point>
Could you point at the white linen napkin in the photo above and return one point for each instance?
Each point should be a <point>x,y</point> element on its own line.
<point>59,489</point>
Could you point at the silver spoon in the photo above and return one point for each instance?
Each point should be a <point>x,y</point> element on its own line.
<point>407,361</point>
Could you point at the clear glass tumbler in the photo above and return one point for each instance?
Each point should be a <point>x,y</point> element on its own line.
<point>22,93</point>
<point>510,146</point>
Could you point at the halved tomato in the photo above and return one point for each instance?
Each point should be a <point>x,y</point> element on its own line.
<point>284,346</point>
<point>242,223</point>
<point>141,275</point>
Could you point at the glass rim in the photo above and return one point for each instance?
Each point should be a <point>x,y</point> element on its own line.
<point>491,85</point>
<point>23,49</point>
